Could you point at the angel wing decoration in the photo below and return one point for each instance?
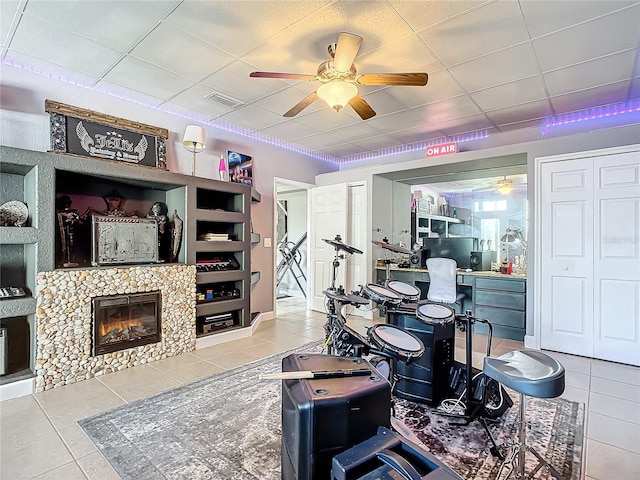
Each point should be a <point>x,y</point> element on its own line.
<point>85,139</point>
<point>141,148</point>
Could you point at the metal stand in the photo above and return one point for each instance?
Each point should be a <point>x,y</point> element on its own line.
<point>291,258</point>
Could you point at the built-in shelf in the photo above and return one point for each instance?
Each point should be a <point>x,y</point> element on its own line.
<point>255,237</point>
<point>255,195</point>
<point>255,277</point>
<point>18,235</point>
<point>17,307</point>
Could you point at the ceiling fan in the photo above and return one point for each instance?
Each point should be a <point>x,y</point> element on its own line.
<point>340,79</point>
<point>504,186</point>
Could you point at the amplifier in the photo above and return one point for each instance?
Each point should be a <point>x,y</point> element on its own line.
<point>217,263</point>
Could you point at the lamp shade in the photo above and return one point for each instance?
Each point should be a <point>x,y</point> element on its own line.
<point>417,194</point>
<point>337,93</point>
<point>193,139</point>
<point>505,188</point>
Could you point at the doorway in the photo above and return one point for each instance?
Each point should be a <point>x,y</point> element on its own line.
<point>290,252</point>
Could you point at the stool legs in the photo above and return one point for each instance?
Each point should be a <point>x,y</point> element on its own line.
<point>515,462</point>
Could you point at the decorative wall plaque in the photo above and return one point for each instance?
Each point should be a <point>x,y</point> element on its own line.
<point>91,134</point>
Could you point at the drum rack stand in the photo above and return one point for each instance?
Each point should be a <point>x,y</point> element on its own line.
<point>474,408</point>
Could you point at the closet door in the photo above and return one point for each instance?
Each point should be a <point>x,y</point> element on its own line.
<point>567,256</point>
<point>617,258</point>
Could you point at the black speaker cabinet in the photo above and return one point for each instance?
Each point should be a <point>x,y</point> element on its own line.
<point>425,380</point>
<point>324,417</point>
<point>481,261</point>
<point>415,260</point>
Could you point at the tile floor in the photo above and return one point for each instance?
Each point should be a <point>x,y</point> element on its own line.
<point>39,438</point>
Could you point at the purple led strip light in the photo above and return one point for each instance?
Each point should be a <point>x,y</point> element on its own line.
<point>593,114</point>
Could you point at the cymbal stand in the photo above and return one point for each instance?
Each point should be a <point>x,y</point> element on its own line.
<point>334,270</point>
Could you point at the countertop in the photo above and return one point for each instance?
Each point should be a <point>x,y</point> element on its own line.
<point>521,276</point>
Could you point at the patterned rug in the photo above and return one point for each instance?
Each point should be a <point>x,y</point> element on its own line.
<point>227,427</point>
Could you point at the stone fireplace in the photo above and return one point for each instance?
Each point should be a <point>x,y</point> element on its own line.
<point>65,341</point>
<point>125,321</point>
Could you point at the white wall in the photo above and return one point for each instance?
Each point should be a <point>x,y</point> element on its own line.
<point>25,124</point>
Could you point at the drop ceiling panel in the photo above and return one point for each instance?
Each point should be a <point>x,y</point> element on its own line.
<point>441,85</point>
<point>349,149</point>
<point>514,93</point>
<point>121,23</point>
<point>8,9</point>
<point>399,121</point>
<point>532,110</point>
<point>605,70</point>
<point>234,80</point>
<point>43,40</point>
<point>239,26</point>
<point>509,65</point>
<point>461,126</point>
<point>591,97</point>
<point>565,13</point>
<point>588,40</point>
<point>356,132</point>
<point>56,71</point>
<point>419,16</point>
<point>195,99</point>
<point>283,100</point>
<point>414,135</point>
<point>449,109</point>
<point>318,141</point>
<point>252,117</point>
<point>456,40</point>
<point>180,53</point>
<point>139,75</point>
<point>326,119</point>
<point>289,130</point>
<point>408,52</point>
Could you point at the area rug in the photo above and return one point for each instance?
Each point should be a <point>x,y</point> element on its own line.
<point>227,427</point>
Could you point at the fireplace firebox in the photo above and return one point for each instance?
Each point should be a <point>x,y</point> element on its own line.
<point>125,321</point>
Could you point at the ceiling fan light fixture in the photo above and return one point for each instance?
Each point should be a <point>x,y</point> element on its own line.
<point>337,93</point>
<point>505,188</point>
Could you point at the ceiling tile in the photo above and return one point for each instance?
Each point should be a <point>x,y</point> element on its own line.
<point>347,149</point>
<point>419,16</point>
<point>281,101</point>
<point>47,68</point>
<point>453,41</point>
<point>449,109</point>
<point>194,99</point>
<point>506,66</point>
<point>415,135</point>
<point>356,132</point>
<point>181,53</point>
<point>405,54</point>
<point>381,142</point>
<point>318,141</point>
<point>634,89</point>
<point>588,40</point>
<point>252,117</point>
<point>602,71</point>
<point>565,13</point>
<point>384,103</point>
<point>139,75</point>
<point>535,123</point>
<point>591,97</point>
<point>8,14</point>
<point>399,121</point>
<point>43,40</point>
<point>460,126</point>
<point>521,113</point>
<point>239,26</point>
<point>234,80</point>
<point>301,47</point>
<point>514,93</point>
<point>116,24</point>
<point>288,130</point>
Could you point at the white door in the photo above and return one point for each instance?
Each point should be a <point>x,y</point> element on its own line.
<point>328,217</point>
<point>357,238</point>
<point>567,257</point>
<point>617,258</point>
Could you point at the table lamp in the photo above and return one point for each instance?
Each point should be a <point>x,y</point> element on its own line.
<point>193,141</point>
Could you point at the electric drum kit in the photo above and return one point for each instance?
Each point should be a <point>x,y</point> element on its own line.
<point>386,342</point>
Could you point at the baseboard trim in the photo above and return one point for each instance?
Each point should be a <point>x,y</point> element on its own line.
<point>17,389</point>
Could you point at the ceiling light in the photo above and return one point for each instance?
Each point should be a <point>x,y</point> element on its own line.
<point>337,93</point>
<point>505,188</point>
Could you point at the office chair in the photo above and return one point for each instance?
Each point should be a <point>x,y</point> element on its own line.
<point>442,282</point>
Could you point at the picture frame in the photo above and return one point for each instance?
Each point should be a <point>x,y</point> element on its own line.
<point>124,240</point>
<point>240,168</point>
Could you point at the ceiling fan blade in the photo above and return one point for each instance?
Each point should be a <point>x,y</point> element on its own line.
<point>346,51</point>
<point>308,100</point>
<point>361,107</point>
<point>290,76</point>
<point>408,79</point>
